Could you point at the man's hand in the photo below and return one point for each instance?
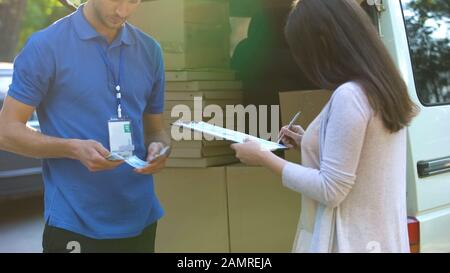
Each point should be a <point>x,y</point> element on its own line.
<point>93,155</point>
<point>156,163</point>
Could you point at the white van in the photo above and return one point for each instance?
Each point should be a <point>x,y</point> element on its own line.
<point>426,70</point>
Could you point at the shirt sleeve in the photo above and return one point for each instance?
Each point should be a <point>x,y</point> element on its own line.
<point>155,105</point>
<point>33,72</point>
<point>345,135</point>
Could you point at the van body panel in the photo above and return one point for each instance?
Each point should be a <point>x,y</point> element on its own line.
<point>434,230</point>
<point>428,138</point>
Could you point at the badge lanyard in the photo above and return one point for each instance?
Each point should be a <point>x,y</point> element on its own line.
<point>116,81</point>
<point>120,136</point>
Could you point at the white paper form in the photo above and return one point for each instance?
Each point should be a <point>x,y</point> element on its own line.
<point>228,134</point>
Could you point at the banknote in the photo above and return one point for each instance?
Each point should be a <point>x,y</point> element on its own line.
<point>133,161</point>
<point>136,162</point>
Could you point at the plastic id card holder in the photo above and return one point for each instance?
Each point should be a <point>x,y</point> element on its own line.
<point>120,137</point>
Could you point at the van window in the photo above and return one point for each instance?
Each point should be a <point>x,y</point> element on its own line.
<point>428,31</point>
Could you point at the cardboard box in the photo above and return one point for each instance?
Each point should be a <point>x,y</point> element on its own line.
<point>263,215</point>
<point>201,162</point>
<point>202,152</point>
<point>222,209</point>
<point>201,75</point>
<point>195,46</point>
<point>198,144</point>
<point>309,102</point>
<point>195,204</point>
<point>195,57</point>
<point>205,95</point>
<point>195,33</point>
<point>204,86</point>
<point>178,12</point>
<point>204,103</point>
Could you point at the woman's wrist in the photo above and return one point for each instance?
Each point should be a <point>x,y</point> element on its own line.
<point>263,157</point>
<point>273,162</point>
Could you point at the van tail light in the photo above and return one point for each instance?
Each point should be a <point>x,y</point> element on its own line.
<point>414,234</point>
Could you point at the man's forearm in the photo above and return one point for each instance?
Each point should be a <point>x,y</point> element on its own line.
<point>160,136</point>
<point>20,139</point>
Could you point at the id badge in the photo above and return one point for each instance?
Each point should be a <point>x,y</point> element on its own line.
<point>120,137</point>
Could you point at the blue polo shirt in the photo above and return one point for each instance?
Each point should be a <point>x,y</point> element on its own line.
<point>61,72</point>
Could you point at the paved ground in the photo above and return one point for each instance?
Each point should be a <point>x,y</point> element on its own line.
<point>21,225</point>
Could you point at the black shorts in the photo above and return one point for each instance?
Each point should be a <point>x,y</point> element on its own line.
<point>57,240</point>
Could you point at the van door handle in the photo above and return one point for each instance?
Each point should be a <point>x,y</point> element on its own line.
<point>432,167</point>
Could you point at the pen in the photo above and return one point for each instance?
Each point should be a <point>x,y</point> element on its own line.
<point>294,119</point>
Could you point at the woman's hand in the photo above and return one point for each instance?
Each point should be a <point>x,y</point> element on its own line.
<point>292,138</point>
<point>250,152</point>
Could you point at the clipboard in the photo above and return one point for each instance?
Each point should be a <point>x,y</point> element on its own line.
<point>227,134</point>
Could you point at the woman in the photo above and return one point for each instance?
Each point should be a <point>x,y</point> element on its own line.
<point>353,173</point>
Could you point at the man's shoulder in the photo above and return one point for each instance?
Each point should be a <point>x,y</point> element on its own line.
<point>52,34</point>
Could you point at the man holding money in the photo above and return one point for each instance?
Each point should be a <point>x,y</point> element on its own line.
<point>97,84</point>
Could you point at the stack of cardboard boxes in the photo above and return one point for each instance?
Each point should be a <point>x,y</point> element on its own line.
<point>195,38</point>
<point>197,90</point>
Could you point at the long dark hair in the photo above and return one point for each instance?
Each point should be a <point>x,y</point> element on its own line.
<point>334,41</point>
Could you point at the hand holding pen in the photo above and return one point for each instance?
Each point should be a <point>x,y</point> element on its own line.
<point>291,135</point>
